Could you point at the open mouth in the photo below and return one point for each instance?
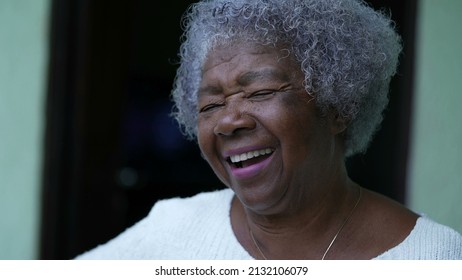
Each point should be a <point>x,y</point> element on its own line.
<point>250,158</point>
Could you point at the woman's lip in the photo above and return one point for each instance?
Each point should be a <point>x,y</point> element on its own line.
<point>251,170</point>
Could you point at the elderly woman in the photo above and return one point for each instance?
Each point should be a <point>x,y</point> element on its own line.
<point>278,94</point>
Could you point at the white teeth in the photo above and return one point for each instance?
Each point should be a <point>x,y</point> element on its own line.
<point>249,155</point>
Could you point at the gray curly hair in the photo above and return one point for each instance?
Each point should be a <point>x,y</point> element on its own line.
<point>347,51</point>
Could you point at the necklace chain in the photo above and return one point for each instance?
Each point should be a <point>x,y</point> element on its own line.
<point>331,242</point>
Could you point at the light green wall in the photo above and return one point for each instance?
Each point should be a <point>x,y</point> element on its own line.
<point>436,157</point>
<point>23,59</point>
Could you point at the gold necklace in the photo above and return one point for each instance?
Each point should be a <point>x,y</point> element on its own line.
<point>333,239</point>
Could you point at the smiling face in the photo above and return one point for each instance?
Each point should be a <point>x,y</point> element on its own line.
<point>260,131</point>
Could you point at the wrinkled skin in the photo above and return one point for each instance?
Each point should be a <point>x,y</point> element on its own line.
<point>252,98</point>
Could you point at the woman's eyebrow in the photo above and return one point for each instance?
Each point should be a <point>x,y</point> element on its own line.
<point>268,74</point>
<point>248,78</point>
<point>209,90</point>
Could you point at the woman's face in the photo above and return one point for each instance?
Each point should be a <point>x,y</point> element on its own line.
<point>259,129</point>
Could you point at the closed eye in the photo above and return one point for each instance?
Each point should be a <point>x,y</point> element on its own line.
<point>210,107</point>
<point>263,94</point>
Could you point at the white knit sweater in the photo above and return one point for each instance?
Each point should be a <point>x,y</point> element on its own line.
<point>199,228</point>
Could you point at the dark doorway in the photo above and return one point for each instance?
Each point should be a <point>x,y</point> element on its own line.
<point>384,167</point>
<point>111,149</point>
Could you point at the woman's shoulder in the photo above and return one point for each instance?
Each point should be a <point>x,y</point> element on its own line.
<point>200,202</point>
<point>408,235</point>
<point>161,234</point>
<point>428,240</point>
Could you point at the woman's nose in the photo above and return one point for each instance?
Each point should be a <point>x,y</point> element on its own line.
<point>232,120</point>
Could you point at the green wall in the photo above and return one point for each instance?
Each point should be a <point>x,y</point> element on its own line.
<point>435,179</point>
<point>23,57</point>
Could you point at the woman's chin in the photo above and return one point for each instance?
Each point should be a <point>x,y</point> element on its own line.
<point>261,200</point>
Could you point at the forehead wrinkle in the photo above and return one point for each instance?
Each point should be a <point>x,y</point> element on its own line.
<point>268,74</point>
<point>247,78</point>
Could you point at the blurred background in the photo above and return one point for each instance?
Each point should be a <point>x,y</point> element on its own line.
<point>87,145</point>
